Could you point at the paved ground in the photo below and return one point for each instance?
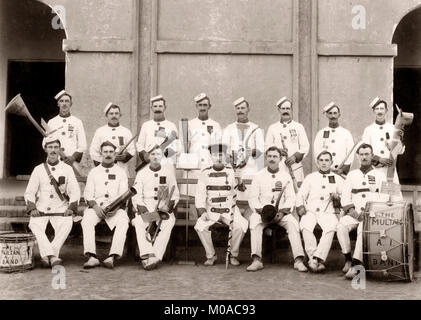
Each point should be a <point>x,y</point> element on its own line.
<point>173,281</point>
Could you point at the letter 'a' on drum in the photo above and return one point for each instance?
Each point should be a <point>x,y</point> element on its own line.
<point>388,241</point>
<point>16,251</point>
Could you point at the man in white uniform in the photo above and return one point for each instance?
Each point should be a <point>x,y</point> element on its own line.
<point>317,202</point>
<point>293,136</point>
<point>52,195</point>
<point>215,200</point>
<point>266,187</point>
<point>153,132</point>
<point>361,186</point>
<point>379,135</point>
<point>115,133</point>
<point>335,139</point>
<point>203,131</point>
<point>149,183</point>
<point>245,145</point>
<point>105,183</point>
<point>69,128</point>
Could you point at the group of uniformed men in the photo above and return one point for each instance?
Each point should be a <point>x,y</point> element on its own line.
<point>332,197</point>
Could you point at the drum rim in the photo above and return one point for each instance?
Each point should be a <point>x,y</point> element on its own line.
<point>8,237</point>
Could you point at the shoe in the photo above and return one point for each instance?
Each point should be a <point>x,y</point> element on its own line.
<point>234,261</point>
<point>152,263</point>
<point>347,266</point>
<point>313,264</point>
<point>45,262</point>
<point>256,265</point>
<point>108,263</point>
<point>54,261</point>
<point>91,263</point>
<point>321,267</point>
<point>352,272</point>
<point>299,265</point>
<point>211,261</point>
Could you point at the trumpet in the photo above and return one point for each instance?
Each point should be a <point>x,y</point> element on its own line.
<point>163,210</point>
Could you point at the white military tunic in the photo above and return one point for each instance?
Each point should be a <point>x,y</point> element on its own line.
<point>215,193</point>
<point>314,195</point>
<point>262,193</point>
<point>40,194</point>
<point>242,136</point>
<point>378,135</point>
<point>118,136</point>
<point>72,136</point>
<point>147,184</point>
<point>295,139</point>
<point>202,134</point>
<point>153,133</point>
<point>358,189</point>
<point>338,141</point>
<point>103,186</point>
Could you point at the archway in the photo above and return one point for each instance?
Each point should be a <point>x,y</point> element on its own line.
<point>407,92</point>
<point>31,63</point>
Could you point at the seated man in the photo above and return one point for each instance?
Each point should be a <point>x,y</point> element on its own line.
<point>52,196</point>
<point>105,183</point>
<point>216,202</point>
<point>154,184</point>
<point>269,185</point>
<point>361,186</point>
<point>317,201</point>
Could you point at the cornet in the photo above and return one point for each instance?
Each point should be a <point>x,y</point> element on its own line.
<point>163,210</point>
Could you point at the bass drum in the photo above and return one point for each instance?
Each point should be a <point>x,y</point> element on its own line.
<point>388,241</point>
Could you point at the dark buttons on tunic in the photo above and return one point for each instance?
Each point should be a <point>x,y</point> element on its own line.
<point>381,128</point>
<point>64,120</point>
<point>107,170</point>
<point>156,175</point>
<point>323,187</point>
<point>53,169</point>
<point>333,130</point>
<point>363,196</point>
<point>322,198</point>
<point>364,183</point>
<point>106,196</point>
<point>333,141</point>
<point>113,129</point>
<point>324,176</point>
<point>333,154</point>
<point>158,123</point>
<point>63,133</point>
<point>155,189</point>
<point>382,152</point>
<point>272,202</point>
<point>317,210</point>
<point>285,137</point>
<point>203,123</point>
<point>285,125</point>
<point>273,176</point>
<point>106,182</point>
<point>101,204</point>
<point>48,209</point>
<point>203,134</point>
<point>381,139</point>
<point>51,196</point>
<point>336,166</point>
<point>155,198</point>
<point>113,137</point>
<point>362,209</point>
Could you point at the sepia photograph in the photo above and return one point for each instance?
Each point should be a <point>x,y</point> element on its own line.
<point>210,150</point>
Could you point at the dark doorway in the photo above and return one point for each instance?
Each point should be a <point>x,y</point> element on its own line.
<point>407,95</point>
<point>37,82</point>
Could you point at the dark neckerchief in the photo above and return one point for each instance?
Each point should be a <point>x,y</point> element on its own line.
<point>324,172</point>
<point>107,165</point>
<point>366,169</point>
<point>159,117</point>
<point>243,121</point>
<point>155,169</point>
<point>273,171</point>
<point>113,126</point>
<point>380,123</point>
<point>204,118</point>
<point>64,116</point>
<point>286,122</point>
<point>334,126</point>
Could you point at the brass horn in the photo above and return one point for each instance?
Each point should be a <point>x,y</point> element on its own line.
<point>18,106</point>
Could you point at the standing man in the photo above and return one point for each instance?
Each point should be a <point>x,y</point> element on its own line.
<point>317,202</point>
<point>215,202</point>
<point>154,185</point>
<point>105,183</point>
<point>202,132</point>
<point>361,185</point>
<point>153,132</point>
<point>245,145</point>
<point>290,134</point>
<point>115,133</point>
<point>335,139</point>
<point>52,195</point>
<point>70,130</point>
<point>379,135</point>
<point>266,187</point>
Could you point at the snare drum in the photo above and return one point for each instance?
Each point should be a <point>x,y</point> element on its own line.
<point>388,241</point>
<point>16,251</point>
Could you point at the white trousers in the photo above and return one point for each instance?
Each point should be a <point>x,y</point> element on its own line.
<point>62,227</point>
<point>288,222</point>
<point>240,226</point>
<point>119,221</point>
<point>328,223</point>
<point>345,225</point>
<point>161,241</point>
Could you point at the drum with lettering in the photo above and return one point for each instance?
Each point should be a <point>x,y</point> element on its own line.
<point>16,251</point>
<point>388,241</point>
